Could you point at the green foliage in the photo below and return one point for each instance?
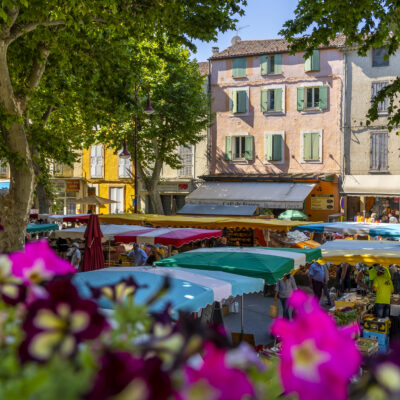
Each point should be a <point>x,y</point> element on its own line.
<point>365,23</point>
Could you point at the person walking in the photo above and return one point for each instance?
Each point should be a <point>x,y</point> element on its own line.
<point>316,274</point>
<point>139,255</point>
<point>325,286</point>
<point>383,286</point>
<point>74,255</point>
<point>283,289</point>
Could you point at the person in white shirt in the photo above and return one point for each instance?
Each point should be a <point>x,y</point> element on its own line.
<point>392,219</point>
<point>74,255</point>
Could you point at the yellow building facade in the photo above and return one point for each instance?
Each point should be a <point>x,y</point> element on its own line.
<point>107,175</point>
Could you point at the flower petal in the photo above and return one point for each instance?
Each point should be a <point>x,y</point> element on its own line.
<point>48,320</point>
<point>79,321</point>
<point>42,345</point>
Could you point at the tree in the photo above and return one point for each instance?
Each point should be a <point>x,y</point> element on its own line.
<point>177,92</point>
<point>33,32</point>
<point>365,23</point>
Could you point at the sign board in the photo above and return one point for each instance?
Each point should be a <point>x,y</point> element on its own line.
<point>322,202</point>
<point>72,186</point>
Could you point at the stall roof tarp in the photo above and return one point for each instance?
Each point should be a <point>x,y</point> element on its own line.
<point>190,290</point>
<point>37,228</point>
<point>352,228</point>
<point>167,236</point>
<point>61,218</point>
<point>109,231</point>
<point>128,219</point>
<point>366,251</point>
<point>4,185</point>
<point>218,209</point>
<point>374,185</point>
<point>269,264</point>
<point>263,194</point>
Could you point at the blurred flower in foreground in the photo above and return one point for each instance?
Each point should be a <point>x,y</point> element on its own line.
<point>12,290</point>
<point>38,263</point>
<point>57,324</point>
<point>215,379</point>
<point>317,358</point>
<point>122,376</point>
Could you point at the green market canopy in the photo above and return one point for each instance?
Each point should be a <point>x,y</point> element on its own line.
<point>267,263</point>
<point>37,228</point>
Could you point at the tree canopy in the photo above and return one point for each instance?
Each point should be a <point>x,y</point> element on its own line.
<point>365,23</point>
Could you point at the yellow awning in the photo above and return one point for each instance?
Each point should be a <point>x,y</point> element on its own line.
<point>123,219</point>
<point>355,256</point>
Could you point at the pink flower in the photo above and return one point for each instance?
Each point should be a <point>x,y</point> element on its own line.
<point>215,380</point>
<point>317,358</point>
<point>38,263</point>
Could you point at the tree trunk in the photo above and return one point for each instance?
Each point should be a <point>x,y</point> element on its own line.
<point>151,184</point>
<point>43,199</point>
<point>14,206</point>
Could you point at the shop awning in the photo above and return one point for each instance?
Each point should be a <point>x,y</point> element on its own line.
<point>37,228</point>
<point>217,209</point>
<point>372,185</point>
<point>262,194</point>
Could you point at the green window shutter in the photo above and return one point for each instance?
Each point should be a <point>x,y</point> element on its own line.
<point>323,97</point>
<point>315,60</point>
<point>263,65</point>
<point>239,67</point>
<point>278,64</point>
<point>264,100</point>
<point>315,146</point>
<point>300,98</point>
<point>278,100</point>
<point>248,153</point>
<point>234,101</point>
<point>277,148</point>
<point>307,146</point>
<point>228,148</point>
<point>307,64</point>
<point>269,147</point>
<point>241,101</point>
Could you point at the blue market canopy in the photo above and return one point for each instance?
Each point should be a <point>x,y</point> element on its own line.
<point>352,228</point>
<point>190,290</point>
<point>37,228</point>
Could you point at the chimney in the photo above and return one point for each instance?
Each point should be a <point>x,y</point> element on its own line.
<point>215,50</point>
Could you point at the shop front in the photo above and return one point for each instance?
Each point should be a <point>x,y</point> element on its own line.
<point>66,192</point>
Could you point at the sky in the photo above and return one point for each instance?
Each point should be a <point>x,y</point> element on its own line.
<point>263,19</point>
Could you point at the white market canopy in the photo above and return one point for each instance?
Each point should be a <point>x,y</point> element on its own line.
<point>109,231</point>
<point>375,185</point>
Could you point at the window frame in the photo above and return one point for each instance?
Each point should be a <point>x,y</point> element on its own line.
<point>379,170</point>
<point>95,176</point>
<point>112,205</point>
<point>128,172</point>
<point>238,161</point>
<point>271,133</point>
<point>283,104</point>
<point>372,58</point>
<point>234,68</point>
<point>302,160</point>
<point>313,107</point>
<point>385,102</point>
<point>235,89</point>
<point>191,165</point>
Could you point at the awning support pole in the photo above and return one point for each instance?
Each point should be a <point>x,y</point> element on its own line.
<point>242,319</point>
<point>109,251</point>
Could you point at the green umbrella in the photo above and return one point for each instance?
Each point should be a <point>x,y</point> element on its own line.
<point>293,215</point>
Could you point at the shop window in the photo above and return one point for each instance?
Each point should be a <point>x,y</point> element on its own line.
<point>186,154</point>
<point>379,151</point>
<point>376,88</point>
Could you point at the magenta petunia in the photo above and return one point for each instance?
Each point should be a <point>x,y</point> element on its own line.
<point>58,323</point>
<point>215,379</point>
<point>38,263</point>
<point>317,358</point>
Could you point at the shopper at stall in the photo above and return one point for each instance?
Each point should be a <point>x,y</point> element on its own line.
<point>153,256</point>
<point>283,289</point>
<point>316,274</point>
<point>325,286</point>
<point>139,255</point>
<point>383,286</point>
<point>222,242</point>
<point>393,219</point>
<point>343,277</point>
<point>74,255</point>
<point>362,278</point>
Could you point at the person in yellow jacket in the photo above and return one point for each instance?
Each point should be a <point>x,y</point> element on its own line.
<point>383,286</point>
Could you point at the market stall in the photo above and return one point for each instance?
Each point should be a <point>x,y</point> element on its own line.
<point>269,264</point>
<point>55,218</point>
<point>176,237</point>
<point>39,228</point>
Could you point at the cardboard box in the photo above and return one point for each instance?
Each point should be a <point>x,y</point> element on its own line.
<point>367,347</point>
<point>382,338</point>
<point>377,325</point>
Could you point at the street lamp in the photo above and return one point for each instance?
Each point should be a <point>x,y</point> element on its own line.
<point>125,153</point>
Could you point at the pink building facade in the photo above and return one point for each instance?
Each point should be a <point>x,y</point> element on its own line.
<point>278,118</point>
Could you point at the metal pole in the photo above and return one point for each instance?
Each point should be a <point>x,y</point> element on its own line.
<point>135,151</point>
<point>242,319</point>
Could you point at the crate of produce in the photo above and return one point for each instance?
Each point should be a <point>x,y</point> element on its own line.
<point>377,324</point>
<point>382,338</point>
<point>367,347</point>
<point>344,304</point>
<point>346,316</point>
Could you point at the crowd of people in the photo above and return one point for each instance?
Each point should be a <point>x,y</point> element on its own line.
<point>373,217</point>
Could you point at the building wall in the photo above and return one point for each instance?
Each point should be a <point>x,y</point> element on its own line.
<point>292,122</point>
<point>360,76</point>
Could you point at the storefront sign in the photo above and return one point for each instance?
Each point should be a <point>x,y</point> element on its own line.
<point>183,186</point>
<point>322,202</point>
<point>72,186</point>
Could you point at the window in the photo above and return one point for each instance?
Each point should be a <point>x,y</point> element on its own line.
<point>71,206</point>
<point>124,167</point>
<point>117,194</point>
<point>312,98</point>
<point>186,155</point>
<point>272,99</point>
<point>380,57</point>
<point>312,63</point>
<point>239,148</point>
<point>239,67</point>
<point>96,161</point>
<point>274,147</point>
<point>271,65</point>
<point>239,101</point>
<point>311,145</point>
<point>382,105</point>
<point>56,168</point>
<point>3,168</point>
<point>379,151</point>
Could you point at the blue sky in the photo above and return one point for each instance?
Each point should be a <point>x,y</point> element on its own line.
<point>265,19</point>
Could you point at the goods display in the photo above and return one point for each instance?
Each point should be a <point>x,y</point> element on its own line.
<point>367,347</point>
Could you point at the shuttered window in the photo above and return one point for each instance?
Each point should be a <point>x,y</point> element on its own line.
<point>239,148</point>
<point>239,67</point>
<point>271,65</point>
<point>124,167</point>
<point>312,98</point>
<point>239,101</point>
<point>96,161</point>
<point>3,168</point>
<point>312,63</point>
<point>376,87</point>
<point>379,151</point>
<point>186,155</point>
<point>273,147</point>
<point>311,146</point>
<point>380,57</point>
<point>117,194</point>
<point>271,100</point>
